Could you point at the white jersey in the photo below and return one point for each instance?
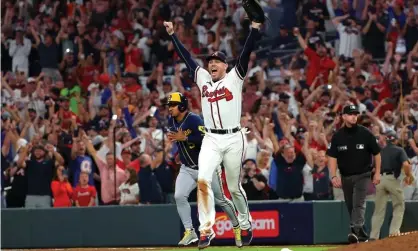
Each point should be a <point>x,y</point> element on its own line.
<point>221,100</point>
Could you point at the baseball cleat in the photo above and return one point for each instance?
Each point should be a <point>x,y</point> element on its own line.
<point>237,235</point>
<point>189,237</point>
<point>352,238</point>
<point>204,241</point>
<point>246,236</point>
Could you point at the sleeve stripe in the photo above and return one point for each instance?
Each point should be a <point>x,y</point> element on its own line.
<point>239,75</point>
<point>242,51</point>
<point>195,73</point>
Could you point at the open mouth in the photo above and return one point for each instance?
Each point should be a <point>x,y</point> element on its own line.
<point>213,71</point>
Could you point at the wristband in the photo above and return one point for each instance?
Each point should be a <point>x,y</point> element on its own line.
<point>333,177</point>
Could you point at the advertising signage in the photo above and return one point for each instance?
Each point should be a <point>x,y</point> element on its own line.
<point>276,223</point>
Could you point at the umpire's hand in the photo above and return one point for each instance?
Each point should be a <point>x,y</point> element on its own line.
<point>376,179</point>
<point>336,182</point>
<point>169,27</point>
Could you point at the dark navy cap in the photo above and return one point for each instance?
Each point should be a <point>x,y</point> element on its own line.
<point>350,109</point>
<point>217,55</point>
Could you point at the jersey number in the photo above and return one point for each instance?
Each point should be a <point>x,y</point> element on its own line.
<point>85,166</point>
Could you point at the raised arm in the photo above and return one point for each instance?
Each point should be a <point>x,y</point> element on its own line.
<point>243,59</point>
<point>301,41</point>
<point>181,51</point>
<point>90,149</point>
<point>35,36</point>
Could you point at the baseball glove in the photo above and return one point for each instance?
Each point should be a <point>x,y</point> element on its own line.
<point>254,10</point>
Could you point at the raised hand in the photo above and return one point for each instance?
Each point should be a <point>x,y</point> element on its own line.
<point>169,27</point>
<point>296,32</point>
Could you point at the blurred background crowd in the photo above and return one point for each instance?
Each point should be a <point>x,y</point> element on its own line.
<point>69,66</point>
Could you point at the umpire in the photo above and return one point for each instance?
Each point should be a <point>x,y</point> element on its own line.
<point>352,148</point>
<point>394,159</point>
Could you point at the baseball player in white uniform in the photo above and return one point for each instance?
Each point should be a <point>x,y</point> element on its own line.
<point>224,140</point>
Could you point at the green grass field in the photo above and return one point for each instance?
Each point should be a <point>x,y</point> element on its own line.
<point>278,248</point>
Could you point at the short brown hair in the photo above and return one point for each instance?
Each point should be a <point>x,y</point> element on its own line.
<point>132,179</point>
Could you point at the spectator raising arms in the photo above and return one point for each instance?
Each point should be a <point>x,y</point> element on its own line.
<point>39,171</point>
<point>61,188</point>
<point>107,174</point>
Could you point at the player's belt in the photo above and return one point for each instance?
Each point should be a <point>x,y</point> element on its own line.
<point>223,131</point>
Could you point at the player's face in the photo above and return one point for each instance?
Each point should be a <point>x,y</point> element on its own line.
<point>173,109</point>
<point>217,69</point>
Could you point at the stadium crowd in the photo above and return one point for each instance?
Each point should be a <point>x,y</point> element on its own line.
<point>69,66</point>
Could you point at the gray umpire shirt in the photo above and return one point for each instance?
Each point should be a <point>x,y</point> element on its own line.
<point>392,159</point>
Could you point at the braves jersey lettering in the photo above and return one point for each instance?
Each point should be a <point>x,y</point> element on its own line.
<point>217,95</point>
<point>221,100</point>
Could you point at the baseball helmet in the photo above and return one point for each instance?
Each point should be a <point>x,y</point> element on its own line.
<point>176,98</point>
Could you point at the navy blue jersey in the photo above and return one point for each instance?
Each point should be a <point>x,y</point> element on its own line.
<point>192,126</point>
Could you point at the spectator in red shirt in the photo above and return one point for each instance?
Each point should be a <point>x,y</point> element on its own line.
<point>319,64</point>
<point>61,188</point>
<point>87,69</point>
<point>121,22</point>
<point>84,194</point>
<point>194,98</point>
<point>65,114</point>
<point>131,83</point>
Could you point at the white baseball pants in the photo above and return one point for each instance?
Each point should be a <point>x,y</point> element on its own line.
<point>228,149</point>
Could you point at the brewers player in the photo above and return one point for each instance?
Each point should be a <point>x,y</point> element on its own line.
<point>187,130</point>
<point>224,140</point>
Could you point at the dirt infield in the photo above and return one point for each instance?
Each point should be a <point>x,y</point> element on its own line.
<point>407,242</point>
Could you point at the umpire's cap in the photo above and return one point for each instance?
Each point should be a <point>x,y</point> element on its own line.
<point>350,109</point>
<point>217,55</point>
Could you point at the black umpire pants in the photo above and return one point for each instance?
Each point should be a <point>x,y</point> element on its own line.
<point>355,192</point>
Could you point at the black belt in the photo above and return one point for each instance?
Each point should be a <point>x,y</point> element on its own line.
<point>223,131</point>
